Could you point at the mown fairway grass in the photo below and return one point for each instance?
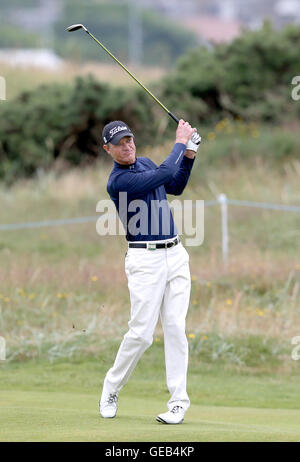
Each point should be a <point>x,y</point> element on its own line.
<point>59,402</point>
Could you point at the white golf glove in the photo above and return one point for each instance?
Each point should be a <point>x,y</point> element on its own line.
<point>194,142</point>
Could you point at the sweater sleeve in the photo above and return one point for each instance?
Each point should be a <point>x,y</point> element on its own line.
<point>179,181</point>
<point>140,183</point>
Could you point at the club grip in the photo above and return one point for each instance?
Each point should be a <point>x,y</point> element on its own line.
<point>173,117</point>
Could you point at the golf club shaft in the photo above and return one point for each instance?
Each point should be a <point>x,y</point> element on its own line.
<point>137,81</point>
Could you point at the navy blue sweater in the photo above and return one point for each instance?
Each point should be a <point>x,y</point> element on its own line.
<point>139,193</point>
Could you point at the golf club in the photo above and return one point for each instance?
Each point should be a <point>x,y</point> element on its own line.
<point>75,27</point>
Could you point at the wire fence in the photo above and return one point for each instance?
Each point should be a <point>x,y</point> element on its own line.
<point>223,201</point>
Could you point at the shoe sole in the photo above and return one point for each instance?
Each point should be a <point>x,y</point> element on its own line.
<point>159,419</point>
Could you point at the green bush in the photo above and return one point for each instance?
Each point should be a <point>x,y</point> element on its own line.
<point>245,84</point>
<point>250,77</point>
<point>65,121</point>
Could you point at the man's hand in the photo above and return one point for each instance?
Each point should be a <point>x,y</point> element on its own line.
<point>194,143</point>
<point>184,132</point>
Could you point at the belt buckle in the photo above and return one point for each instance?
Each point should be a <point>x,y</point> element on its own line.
<point>151,246</point>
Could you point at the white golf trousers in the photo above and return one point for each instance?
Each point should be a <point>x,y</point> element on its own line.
<point>159,284</point>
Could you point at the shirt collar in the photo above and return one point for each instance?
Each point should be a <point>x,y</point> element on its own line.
<point>128,167</point>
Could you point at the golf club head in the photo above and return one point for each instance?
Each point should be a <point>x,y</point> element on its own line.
<point>76,27</point>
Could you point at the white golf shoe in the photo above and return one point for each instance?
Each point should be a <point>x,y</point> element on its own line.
<point>174,416</point>
<point>108,405</point>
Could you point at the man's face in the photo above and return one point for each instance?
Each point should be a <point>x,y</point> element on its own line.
<point>123,152</point>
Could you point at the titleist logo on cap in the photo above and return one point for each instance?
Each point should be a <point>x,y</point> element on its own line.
<point>117,129</point>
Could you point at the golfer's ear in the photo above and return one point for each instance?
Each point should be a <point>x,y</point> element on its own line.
<point>106,148</point>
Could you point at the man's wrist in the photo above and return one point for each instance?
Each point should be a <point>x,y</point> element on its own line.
<point>181,141</point>
<point>190,154</point>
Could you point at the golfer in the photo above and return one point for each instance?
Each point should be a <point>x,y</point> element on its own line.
<point>156,263</point>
